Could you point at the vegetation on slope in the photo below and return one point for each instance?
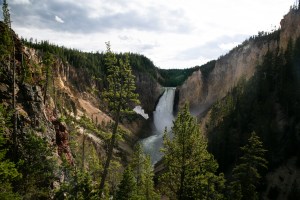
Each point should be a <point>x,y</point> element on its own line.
<point>95,65</point>
<point>268,104</point>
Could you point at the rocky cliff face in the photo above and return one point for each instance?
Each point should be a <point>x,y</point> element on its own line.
<point>202,91</point>
<point>69,94</point>
<point>239,63</point>
<point>290,29</point>
<point>148,89</point>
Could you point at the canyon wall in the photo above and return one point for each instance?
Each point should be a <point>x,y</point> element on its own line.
<point>201,91</point>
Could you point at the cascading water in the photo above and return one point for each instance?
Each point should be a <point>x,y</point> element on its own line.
<point>162,117</point>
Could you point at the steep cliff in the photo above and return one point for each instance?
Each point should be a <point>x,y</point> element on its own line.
<point>241,62</point>
<point>290,29</point>
<point>60,106</point>
<point>202,91</point>
<point>266,101</point>
<point>148,89</point>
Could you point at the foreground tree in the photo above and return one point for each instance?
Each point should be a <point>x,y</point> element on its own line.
<point>7,54</point>
<point>147,187</point>
<point>8,170</point>
<point>79,186</point>
<point>6,43</point>
<point>143,173</point>
<point>127,187</point>
<point>189,168</point>
<point>246,175</point>
<point>119,95</point>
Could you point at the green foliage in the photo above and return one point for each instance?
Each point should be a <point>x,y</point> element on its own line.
<point>8,170</point>
<point>6,14</point>
<point>6,42</point>
<point>37,166</point>
<point>143,175</point>
<point>147,185</point>
<point>268,104</point>
<point>174,77</point>
<point>121,85</point>
<point>91,127</point>
<point>119,95</point>
<point>246,174</point>
<point>48,61</point>
<point>190,169</point>
<point>79,187</point>
<point>95,65</point>
<point>127,187</point>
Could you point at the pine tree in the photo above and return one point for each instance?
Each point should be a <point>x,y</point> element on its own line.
<point>8,171</point>
<point>127,187</point>
<point>246,175</point>
<point>6,42</point>
<point>144,173</point>
<point>7,51</point>
<point>189,168</point>
<point>137,164</point>
<point>79,186</point>
<point>147,183</point>
<point>48,62</point>
<point>119,95</point>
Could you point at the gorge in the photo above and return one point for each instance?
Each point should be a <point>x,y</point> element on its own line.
<point>254,88</point>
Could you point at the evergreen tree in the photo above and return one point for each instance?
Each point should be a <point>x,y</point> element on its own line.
<point>119,95</point>
<point>79,186</point>
<point>6,42</point>
<point>189,168</point>
<point>246,175</point>
<point>127,187</point>
<point>38,166</point>
<point>143,173</point>
<point>147,184</point>
<point>48,62</point>
<point>7,51</point>
<point>137,164</point>
<point>8,171</point>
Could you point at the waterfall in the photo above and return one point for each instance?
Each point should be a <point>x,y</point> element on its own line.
<point>162,117</point>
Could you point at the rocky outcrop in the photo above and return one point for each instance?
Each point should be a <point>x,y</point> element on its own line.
<point>202,91</point>
<point>148,89</point>
<point>290,29</point>
<point>239,63</point>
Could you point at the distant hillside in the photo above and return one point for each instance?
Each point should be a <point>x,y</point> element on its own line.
<point>93,62</point>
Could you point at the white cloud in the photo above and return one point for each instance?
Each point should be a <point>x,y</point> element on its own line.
<point>20,2</point>
<point>228,46</point>
<point>59,20</point>
<point>172,33</point>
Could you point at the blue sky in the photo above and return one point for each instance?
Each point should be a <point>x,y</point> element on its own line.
<point>172,33</point>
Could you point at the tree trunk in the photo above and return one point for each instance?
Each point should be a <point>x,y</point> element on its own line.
<point>110,150</point>
<point>182,174</point>
<point>83,151</point>
<point>14,110</point>
<point>46,85</point>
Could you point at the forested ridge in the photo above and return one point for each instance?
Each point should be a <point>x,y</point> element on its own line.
<point>93,62</point>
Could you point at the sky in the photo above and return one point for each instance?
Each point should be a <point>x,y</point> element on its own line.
<point>172,33</point>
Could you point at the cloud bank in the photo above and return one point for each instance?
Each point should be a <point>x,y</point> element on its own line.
<point>173,33</point>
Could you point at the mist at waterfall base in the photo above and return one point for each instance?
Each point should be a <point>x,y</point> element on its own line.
<point>162,118</point>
